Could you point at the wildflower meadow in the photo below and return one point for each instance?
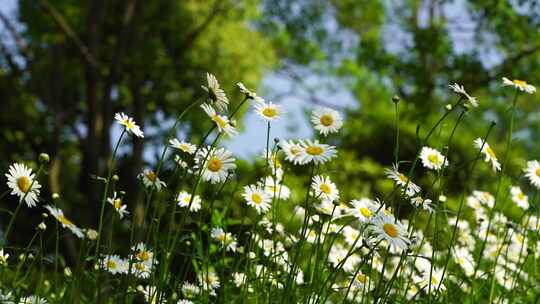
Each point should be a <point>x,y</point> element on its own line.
<point>306,243</point>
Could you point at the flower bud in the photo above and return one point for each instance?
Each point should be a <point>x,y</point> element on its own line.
<point>395,99</point>
<point>44,158</point>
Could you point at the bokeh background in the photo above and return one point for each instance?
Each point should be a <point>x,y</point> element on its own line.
<point>67,66</point>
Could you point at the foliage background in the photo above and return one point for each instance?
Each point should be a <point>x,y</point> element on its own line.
<point>67,66</point>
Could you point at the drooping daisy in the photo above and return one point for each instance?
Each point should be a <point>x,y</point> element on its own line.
<point>216,164</point>
<point>183,199</point>
<point>387,228</point>
<point>59,216</point>
<point>430,284</point>
<point>432,159</point>
<point>268,111</point>
<point>425,204</point>
<point>113,264</point>
<point>118,206</point>
<point>459,89</point>
<point>489,154</point>
<point>293,151</point>
<point>190,290</point>
<point>519,197</point>
<point>216,95</point>
<point>364,209</point>
<point>182,146</point>
<point>465,260</point>
<point>313,151</point>
<point>326,120</point>
<point>402,180</point>
<point>150,179</point>
<point>129,124</point>
<point>324,188</point>
<point>226,239</point>
<point>222,122</point>
<point>249,94</point>
<point>519,84</point>
<point>209,280</point>
<point>3,258</point>
<point>23,184</point>
<point>257,198</point>
<point>275,188</point>
<point>532,172</point>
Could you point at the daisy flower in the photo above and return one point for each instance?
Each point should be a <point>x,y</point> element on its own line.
<point>387,228</point>
<point>324,188</point>
<point>209,280</point>
<point>275,188</point>
<point>150,179</point>
<point>143,254</point>
<point>183,146</point>
<point>222,122</point>
<point>313,151</point>
<point>489,154</point>
<point>31,300</point>
<point>459,89</point>
<point>425,204</point>
<point>351,235</point>
<point>118,206</point>
<point>22,183</point>
<point>431,283</point>
<point>519,84</point>
<point>249,94</point>
<point>326,120</point>
<point>519,197</point>
<point>216,164</point>
<point>532,172</point>
<point>360,280</point>
<point>129,124</point>
<point>257,198</point>
<point>293,151</point>
<point>216,95</point>
<point>363,209</point>
<point>190,290</point>
<point>141,270</point>
<point>226,239</point>
<point>3,258</point>
<point>59,216</point>
<point>268,111</point>
<point>113,264</point>
<point>184,198</point>
<point>432,159</point>
<point>402,180</point>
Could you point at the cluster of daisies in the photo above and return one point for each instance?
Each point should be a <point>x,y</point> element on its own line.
<point>347,247</point>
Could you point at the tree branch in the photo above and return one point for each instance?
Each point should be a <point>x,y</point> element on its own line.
<point>70,33</point>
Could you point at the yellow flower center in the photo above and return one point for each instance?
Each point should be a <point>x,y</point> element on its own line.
<point>362,278</point>
<point>219,121</point>
<point>151,176</point>
<point>327,120</point>
<point>491,152</point>
<point>117,203</point>
<point>23,183</point>
<point>538,172</point>
<point>295,151</point>
<point>403,178</point>
<point>187,198</point>
<point>143,255</point>
<point>139,266</point>
<point>269,112</point>
<point>519,83</point>
<point>184,147</point>
<point>434,158</point>
<point>129,125</point>
<point>111,264</point>
<point>325,188</point>
<point>256,198</point>
<point>520,238</point>
<point>214,164</point>
<point>521,196</point>
<point>314,150</point>
<point>222,237</point>
<point>365,212</point>
<point>390,230</point>
<point>434,281</point>
<point>62,219</point>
